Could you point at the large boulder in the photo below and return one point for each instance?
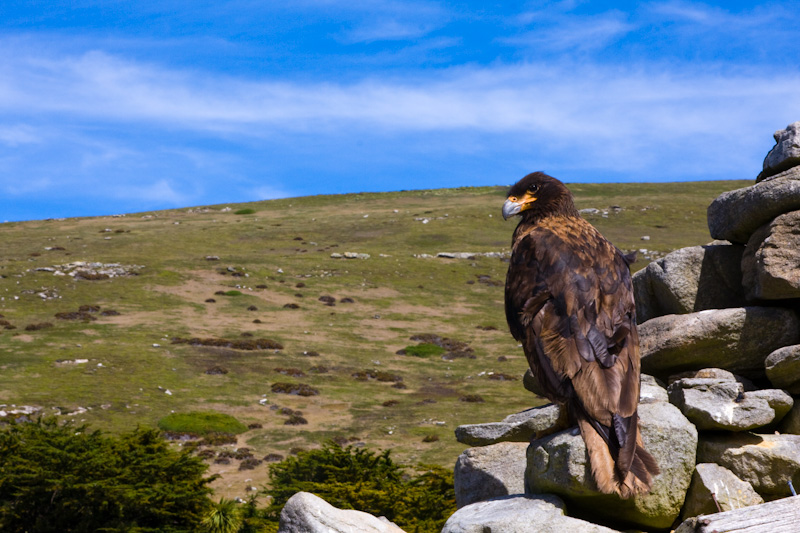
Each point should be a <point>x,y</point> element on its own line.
<point>791,422</point>
<point>722,404</point>
<point>732,339</point>
<point>543,513</point>
<point>558,464</point>
<point>688,280</point>
<point>783,368</point>
<point>307,513</point>
<point>785,154</point>
<point>711,483</point>
<point>771,260</point>
<point>490,471</point>
<point>767,462</point>
<point>735,215</point>
<point>519,427</point>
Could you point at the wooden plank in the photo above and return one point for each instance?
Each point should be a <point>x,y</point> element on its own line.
<point>779,516</point>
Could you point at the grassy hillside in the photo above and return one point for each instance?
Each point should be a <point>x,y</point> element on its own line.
<point>233,273</point>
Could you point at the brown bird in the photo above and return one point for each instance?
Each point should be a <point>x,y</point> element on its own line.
<point>569,302</point>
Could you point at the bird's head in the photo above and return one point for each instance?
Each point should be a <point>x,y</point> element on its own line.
<point>538,194</point>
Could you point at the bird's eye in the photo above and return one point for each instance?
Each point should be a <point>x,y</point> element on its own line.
<point>533,188</point>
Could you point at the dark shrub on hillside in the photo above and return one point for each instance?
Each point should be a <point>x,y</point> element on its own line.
<point>36,327</point>
<point>295,420</point>
<point>356,478</point>
<point>249,464</point>
<point>218,439</point>
<point>294,372</point>
<point>256,344</point>
<point>472,398</point>
<point>75,315</point>
<point>300,389</point>
<point>67,478</point>
<point>499,376</point>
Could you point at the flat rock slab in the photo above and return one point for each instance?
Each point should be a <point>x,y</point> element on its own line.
<point>722,404</point>
<point>780,516</point>
<point>490,471</point>
<point>771,261</point>
<point>307,513</point>
<point>767,462</point>
<point>558,464</point>
<point>735,215</point>
<point>732,339</point>
<point>688,280</point>
<point>785,154</point>
<point>711,481</point>
<point>783,368</point>
<point>519,427</point>
<point>543,513</point>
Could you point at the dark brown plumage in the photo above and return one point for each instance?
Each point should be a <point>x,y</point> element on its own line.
<point>569,302</point>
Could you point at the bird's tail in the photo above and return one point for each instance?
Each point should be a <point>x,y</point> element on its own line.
<point>625,469</point>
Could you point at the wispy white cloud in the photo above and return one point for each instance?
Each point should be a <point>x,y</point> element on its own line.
<point>16,134</point>
<point>630,106</point>
<point>589,33</point>
<point>159,192</point>
<point>269,192</point>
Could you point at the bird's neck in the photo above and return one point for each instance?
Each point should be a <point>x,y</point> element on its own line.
<point>531,219</point>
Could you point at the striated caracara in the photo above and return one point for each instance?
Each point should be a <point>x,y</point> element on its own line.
<point>570,304</point>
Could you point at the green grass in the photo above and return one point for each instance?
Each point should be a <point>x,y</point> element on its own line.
<point>281,254</point>
<point>425,349</point>
<point>201,423</point>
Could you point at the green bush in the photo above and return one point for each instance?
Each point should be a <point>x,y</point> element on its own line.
<point>65,478</point>
<point>201,423</point>
<point>355,478</point>
<point>246,211</point>
<point>426,349</point>
<point>233,293</point>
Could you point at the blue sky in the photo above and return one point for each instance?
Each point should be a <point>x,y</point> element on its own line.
<point>122,106</point>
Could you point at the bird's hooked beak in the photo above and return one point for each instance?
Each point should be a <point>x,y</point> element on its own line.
<point>514,206</point>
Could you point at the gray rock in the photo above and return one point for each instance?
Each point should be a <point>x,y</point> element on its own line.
<point>771,260</point>
<point>490,471</point>
<point>720,404</point>
<point>558,464</point>
<point>712,481</point>
<point>307,513</point>
<point>780,516</point>
<point>767,462</point>
<point>543,513</point>
<point>519,427</point>
<point>783,368</point>
<point>779,400</point>
<point>791,422</point>
<point>713,373</point>
<point>688,280</point>
<point>651,390</point>
<point>732,339</point>
<point>531,384</point>
<point>735,215</point>
<point>785,154</point>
